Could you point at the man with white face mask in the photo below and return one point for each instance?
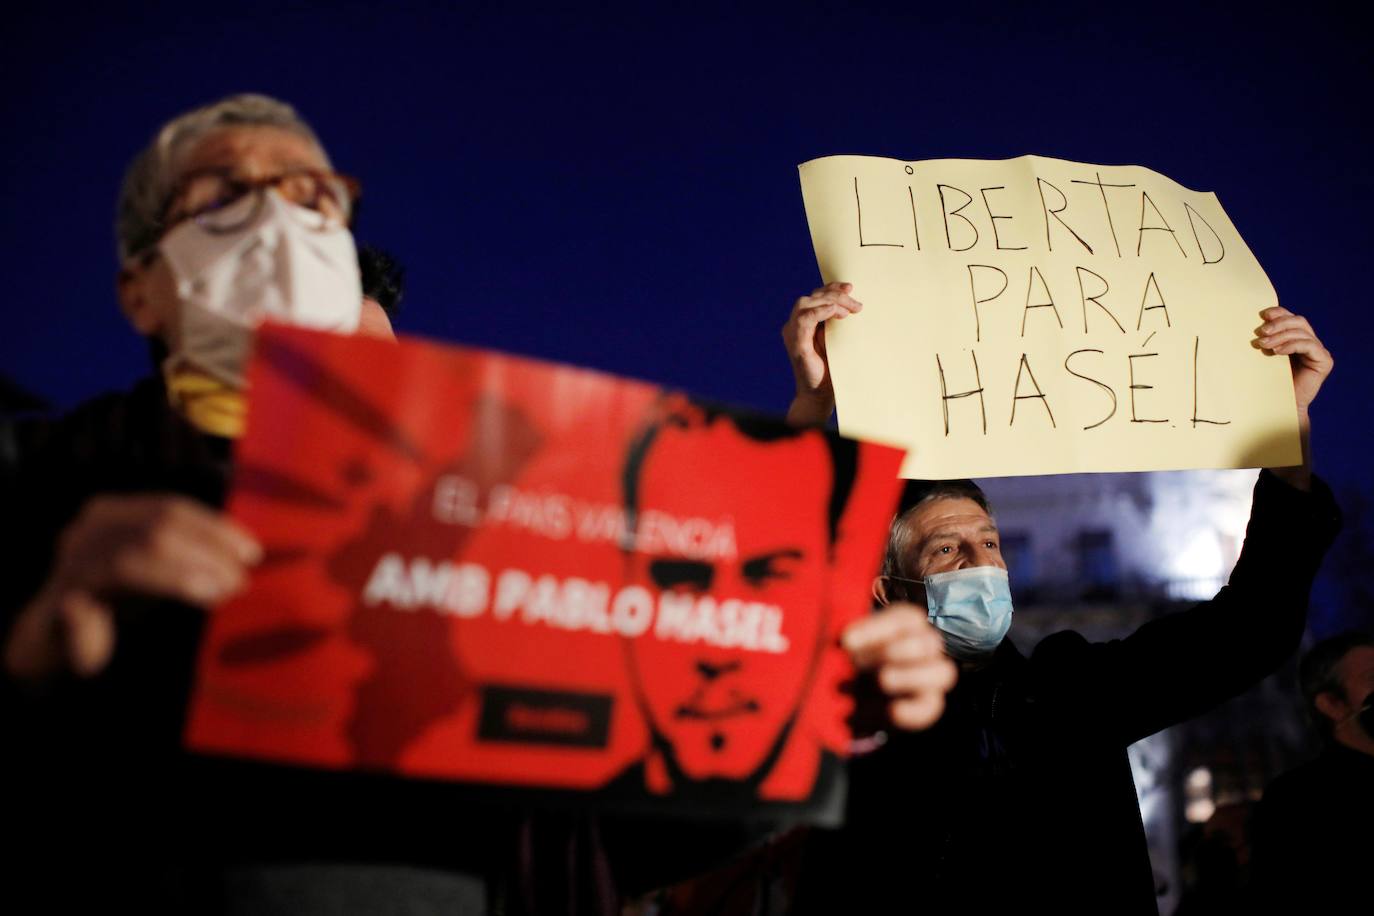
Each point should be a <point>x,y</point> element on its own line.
<point>230,216</point>
<point>115,540</point>
<point>1035,808</point>
<point>112,528</point>
<point>252,224</point>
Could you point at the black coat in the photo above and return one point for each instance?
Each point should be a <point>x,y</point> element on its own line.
<point>1021,798</point>
<point>1313,836</point>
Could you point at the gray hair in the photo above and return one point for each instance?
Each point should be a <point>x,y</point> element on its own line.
<point>148,183</point>
<point>1318,673</point>
<point>916,494</point>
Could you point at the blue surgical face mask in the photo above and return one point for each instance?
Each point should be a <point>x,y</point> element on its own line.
<point>971,607</point>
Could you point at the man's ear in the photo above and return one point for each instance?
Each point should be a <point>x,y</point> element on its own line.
<point>880,591</point>
<point>1331,705</point>
<point>133,287</point>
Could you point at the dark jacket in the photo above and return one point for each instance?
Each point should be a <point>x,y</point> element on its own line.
<point>1021,798</point>
<point>1312,841</point>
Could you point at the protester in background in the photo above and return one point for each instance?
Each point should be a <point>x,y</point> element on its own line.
<point>1021,797</point>
<point>1214,860</point>
<point>1313,835</point>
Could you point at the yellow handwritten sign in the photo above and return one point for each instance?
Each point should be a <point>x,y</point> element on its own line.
<point>1038,316</point>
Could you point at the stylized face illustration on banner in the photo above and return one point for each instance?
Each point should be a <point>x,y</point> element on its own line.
<point>724,676</point>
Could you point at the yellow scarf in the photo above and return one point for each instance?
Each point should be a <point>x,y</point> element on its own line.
<point>209,404</point>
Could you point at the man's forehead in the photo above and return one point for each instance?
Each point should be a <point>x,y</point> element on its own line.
<point>1358,664</point>
<point>947,515</point>
<point>253,150</point>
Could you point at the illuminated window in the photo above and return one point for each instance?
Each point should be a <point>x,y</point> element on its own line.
<point>1016,552</point>
<point>1097,568</point>
<point>1198,803</point>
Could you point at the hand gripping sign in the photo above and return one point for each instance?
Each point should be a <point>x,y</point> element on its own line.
<point>494,570</point>
<point>1037,316</point>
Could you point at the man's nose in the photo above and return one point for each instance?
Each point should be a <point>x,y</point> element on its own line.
<point>978,555</point>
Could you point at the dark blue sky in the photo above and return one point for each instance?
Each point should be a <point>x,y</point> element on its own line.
<point>618,189</point>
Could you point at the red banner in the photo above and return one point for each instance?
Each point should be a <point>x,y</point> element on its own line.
<point>496,570</point>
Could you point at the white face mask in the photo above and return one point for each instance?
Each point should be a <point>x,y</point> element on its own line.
<point>282,266</point>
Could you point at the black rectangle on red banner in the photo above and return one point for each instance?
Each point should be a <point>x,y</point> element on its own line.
<point>526,715</point>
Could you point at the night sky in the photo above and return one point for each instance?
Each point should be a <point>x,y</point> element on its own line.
<point>618,188</point>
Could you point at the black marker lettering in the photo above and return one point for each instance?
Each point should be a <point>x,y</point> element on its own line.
<point>1134,387</point>
<point>994,217</point>
<point>915,228</point>
<point>1196,418</point>
<point>1102,187</point>
<point>859,213</point>
<point>946,397</point>
<point>1016,394</point>
<point>1140,237</point>
<point>1095,298</point>
<point>1158,305</point>
<point>947,212</point>
<point>1048,303</point>
<point>1040,185</point>
<point>1104,386</point>
<point>973,288</point>
<point>1220,246</point>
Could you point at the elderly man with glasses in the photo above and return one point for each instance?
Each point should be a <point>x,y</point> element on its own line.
<point>112,527</point>
<point>231,215</point>
<point>114,540</point>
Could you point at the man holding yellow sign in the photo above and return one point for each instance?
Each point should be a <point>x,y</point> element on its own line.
<point>1022,793</point>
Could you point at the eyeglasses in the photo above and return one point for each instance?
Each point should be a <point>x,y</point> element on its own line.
<point>219,202</point>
